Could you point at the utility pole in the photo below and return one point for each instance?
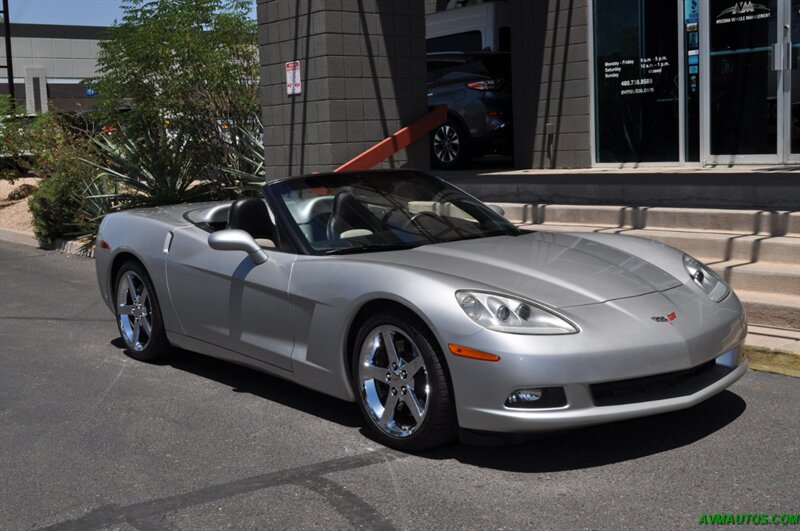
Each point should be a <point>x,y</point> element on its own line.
<point>9,66</point>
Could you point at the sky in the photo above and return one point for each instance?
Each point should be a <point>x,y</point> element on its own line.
<point>69,12</point>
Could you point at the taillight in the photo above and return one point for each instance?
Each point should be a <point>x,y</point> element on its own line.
<point>489,84</point>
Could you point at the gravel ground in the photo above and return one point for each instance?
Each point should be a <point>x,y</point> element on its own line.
<point>14,214</point>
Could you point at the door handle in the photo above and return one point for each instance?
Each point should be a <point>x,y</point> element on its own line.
<point>789,57</point>
<point>777,59</point>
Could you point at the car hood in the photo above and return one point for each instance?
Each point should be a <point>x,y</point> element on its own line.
<point>560,270</point>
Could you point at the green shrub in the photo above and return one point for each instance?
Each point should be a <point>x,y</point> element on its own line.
<point>56,204</point>
<point>12,157</point>
<point>8,174</point>
<point>184,70</point>
<point>190,63</point>
<point>57,154</point>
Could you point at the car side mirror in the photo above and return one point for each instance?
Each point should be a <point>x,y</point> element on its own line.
<point>237,240</point>
<point>498,209</point>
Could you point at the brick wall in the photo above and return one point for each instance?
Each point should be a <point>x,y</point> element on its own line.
<point>551,82</point>
<point>363,73</point>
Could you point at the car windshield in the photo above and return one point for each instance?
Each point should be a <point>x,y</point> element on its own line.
<point>381,211</point>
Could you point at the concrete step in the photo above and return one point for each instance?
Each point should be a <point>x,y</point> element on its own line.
<point>774,223</point>
<point>760,276</point>
<point>771,309</point>
<point>712,246</point>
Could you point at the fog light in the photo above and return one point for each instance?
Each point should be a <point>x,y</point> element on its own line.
<point>524,395</point>
<point>537,398</point>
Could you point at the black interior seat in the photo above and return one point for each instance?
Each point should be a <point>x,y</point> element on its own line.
<point>349,214</point>
<point>250,214</point>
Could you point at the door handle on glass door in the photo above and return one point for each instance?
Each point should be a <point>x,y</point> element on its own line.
<point>777,59</point>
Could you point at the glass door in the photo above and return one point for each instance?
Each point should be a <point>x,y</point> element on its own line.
<point>741,82</point>
<point>750,107</point>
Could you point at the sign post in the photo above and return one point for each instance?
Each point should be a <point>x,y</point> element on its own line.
<point>293,83</point>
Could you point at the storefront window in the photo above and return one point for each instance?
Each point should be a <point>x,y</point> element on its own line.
<point>744,86</point>
<point>636,81</point>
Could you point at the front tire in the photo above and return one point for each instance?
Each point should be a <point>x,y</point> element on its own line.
<point>138,314</point>
<point>449,145</point>
<point>401,383</point>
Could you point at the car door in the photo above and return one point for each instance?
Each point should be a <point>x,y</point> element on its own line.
<point>224,298</point>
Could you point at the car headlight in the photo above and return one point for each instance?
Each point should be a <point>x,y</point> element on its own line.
<point>706,279</point>
<point>507,314</point>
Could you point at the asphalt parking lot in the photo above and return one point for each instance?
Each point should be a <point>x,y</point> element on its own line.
<point>90,438</point>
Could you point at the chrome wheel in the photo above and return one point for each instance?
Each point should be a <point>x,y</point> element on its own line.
<point>134,311</point>
<point>446,144</point>
<point>393,381</point>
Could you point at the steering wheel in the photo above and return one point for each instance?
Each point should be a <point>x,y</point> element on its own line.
<point>415,220</point>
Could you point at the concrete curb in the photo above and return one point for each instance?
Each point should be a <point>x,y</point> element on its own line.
<point>18,236</point>
<point>27,238</point>
<point>777,361</point>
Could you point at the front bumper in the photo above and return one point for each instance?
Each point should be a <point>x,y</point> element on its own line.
<point>618,344</point>
<point>581,410</point>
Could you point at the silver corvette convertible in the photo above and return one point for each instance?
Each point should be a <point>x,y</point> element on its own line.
<point>400,292</point>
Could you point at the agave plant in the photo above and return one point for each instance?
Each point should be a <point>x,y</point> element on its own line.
<point>246,163</point>
<point>98,198</point>
<point>154,169</point>
<point>157,169</point>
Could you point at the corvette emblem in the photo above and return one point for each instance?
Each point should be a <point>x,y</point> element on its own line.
<point>665,318</point>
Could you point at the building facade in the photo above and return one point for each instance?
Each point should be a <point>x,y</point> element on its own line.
<point>49,63</point>
<point>712,82</point>
<point>638,82</point>
<point>595,82</point>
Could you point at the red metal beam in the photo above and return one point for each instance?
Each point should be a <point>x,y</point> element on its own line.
<point>400,140</point>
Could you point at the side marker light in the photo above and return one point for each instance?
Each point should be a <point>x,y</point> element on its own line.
<point>466,352</point>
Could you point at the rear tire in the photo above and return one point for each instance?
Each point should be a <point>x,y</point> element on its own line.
<point>449,144</point>
<point>138,314</point>
<point>401,383</point>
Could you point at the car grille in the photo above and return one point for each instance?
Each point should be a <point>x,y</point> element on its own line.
<point>659,386</point>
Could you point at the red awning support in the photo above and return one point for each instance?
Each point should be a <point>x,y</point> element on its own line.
<point>394,143</point>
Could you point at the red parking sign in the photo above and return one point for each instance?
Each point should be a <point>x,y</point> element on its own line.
<point>293,82</point>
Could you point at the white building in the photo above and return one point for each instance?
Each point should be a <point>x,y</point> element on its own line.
<point>49,62</point>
